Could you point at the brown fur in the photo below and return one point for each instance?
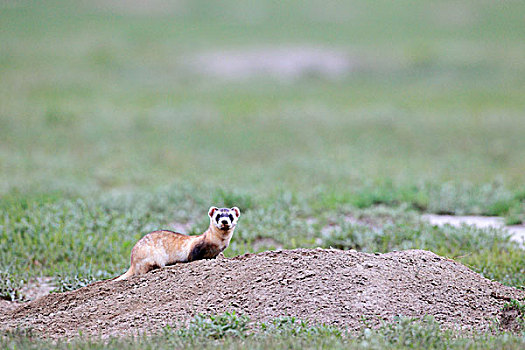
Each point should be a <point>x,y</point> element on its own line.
<point>161,248</point>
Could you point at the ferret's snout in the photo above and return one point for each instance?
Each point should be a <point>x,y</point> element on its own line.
<point>225,222</point>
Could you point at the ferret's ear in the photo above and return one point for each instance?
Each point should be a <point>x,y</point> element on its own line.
<point>211,211</point>
<point>237,211</point>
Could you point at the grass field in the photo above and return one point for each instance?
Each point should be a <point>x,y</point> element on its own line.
<point>107,132</point>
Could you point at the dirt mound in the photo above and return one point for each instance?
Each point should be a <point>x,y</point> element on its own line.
<point>330,286</point>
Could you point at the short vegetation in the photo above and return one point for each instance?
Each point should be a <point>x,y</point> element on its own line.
<point>233,331</point>
<point>106,133</point>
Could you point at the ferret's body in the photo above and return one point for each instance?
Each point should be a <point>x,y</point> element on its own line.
<point>161,248</point>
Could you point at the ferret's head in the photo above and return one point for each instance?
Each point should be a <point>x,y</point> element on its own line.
<point>224,218</point>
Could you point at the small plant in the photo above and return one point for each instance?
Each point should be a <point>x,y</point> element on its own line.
<point>67,283</point>
<point>84,276</point>
<point>10,287</point>
<point>291,327</point>
<point>515,304</point>
<point>513,316</point>
<point>411,332</point>
<point>516,214</point>
<point>228,324</point>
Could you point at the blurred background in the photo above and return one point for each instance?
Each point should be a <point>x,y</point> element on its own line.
<point>261,94</point>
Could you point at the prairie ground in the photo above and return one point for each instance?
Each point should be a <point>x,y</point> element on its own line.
<point>329,124</point>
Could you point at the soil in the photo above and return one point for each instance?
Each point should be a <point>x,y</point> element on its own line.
<point>285,63</point>
<point>325,286</point>
<point>38,287</point>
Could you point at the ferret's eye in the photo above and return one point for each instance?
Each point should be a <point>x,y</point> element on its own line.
<point>231,217</point>
<point>217,217</point>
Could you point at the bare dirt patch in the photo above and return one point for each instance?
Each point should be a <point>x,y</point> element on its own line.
<point>6,306</point>
<point>181,228</point>
<point>284,63</point>
<point>330,286</point>
<point>38,287</point>
<point>266,242</point>
<point>517,232</point>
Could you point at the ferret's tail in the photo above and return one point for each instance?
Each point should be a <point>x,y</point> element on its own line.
<point>128,274</point>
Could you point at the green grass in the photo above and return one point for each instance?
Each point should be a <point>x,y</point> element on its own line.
<point>234,331</point>
<point>107,134</point>
<point>79,240</point>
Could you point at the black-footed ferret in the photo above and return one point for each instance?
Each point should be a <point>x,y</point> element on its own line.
<point>160,248</point>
